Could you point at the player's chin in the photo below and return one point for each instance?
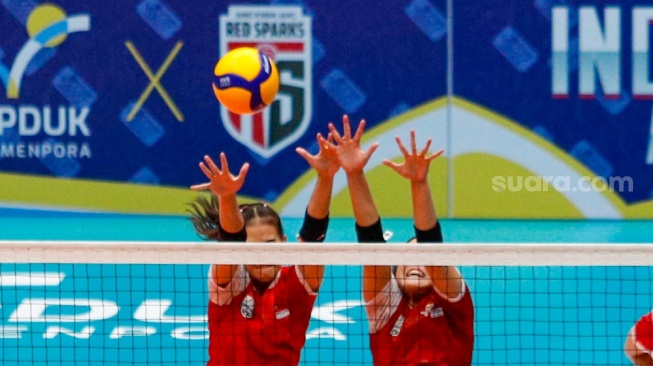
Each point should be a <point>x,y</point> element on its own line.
<point>263,273</point>
<point>413,285</point>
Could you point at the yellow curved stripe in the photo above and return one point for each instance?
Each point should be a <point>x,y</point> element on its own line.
<point>536,139</point>
<point>641,210</point>
<point>475,195</point>
<point>472,199</point>
<point>94,196</point>
<point>370,135</point>
<point>391,192</point>
<point>468,194</point>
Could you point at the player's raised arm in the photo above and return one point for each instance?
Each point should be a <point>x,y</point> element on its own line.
<point>353,159</point>
<point>316,221</point>
<point>224,186</point>
<point>415,167</point>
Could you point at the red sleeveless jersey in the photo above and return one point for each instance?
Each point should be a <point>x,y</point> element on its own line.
<point>266,329</point>
<point>434,332</point>
<point>644,333</point>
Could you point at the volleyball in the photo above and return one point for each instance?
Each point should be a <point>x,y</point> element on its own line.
<point>245,80</point>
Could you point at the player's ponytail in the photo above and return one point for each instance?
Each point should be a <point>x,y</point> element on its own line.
<point>205,217</point>
<point>206,220</point>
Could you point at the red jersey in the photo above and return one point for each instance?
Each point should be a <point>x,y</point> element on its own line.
<point>250,328</point>
<point>436,331</point>
<point>644,333</point>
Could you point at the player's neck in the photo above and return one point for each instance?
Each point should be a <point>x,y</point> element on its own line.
<point>259,286</point>
<point>414,299</point>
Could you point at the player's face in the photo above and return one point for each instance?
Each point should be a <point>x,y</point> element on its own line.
<point>258,233</point>
<point>413,280</point>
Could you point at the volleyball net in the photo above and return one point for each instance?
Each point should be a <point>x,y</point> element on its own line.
<point>146,303</point>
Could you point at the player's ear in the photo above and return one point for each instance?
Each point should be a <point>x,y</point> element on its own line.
<point>284,239</point>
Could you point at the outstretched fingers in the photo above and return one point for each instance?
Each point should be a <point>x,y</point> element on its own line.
<point>359,131</point>
<point>435,155</point>
<point>207,172</point>
<point>346,127</point>
<point>401,146</point>
<point>336,135</point>
<point>200,187</point>
<point>426,147</point>
<point>391,164</point>
<point>324,143</point>
<point>243,172</point>
<point>303,153</point>
<point>221,180</point>
<point>413,142</point>
<point>211,164</point>
<point>223,163</point>
<point>371,151</point>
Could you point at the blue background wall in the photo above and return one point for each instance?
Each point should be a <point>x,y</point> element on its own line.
<point>392,63</point>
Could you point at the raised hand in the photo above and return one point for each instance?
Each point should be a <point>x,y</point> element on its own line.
<point>221,181</point>
<point>348,151</point>
<point>416,165</point>
<point>325,162</point>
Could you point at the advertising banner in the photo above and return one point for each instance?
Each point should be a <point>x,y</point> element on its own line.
<point>543,107</point>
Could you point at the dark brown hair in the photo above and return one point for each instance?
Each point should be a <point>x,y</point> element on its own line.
<point>206,220</point>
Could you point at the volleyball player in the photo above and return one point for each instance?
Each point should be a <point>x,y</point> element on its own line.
<point>418,315</point>
<point>639,342</point>
<point>259,314</point>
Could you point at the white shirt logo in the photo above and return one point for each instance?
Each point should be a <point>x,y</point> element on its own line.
<point>247,307</point>
<point>431,311</point>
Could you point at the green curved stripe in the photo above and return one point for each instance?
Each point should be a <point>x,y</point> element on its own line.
<point>94,196</point>
<point>114,197</point>
<point>309,176</point>
<point>639,210</point>
<point>534,138</point>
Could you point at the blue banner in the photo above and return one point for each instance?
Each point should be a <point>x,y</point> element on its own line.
<point>551,98</point>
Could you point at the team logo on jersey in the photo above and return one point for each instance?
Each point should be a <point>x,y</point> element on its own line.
<point>284,34</point>
<point>282,314</point>
<point>247,307</point>
<point>431,311</point>
<point>396,328</point>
